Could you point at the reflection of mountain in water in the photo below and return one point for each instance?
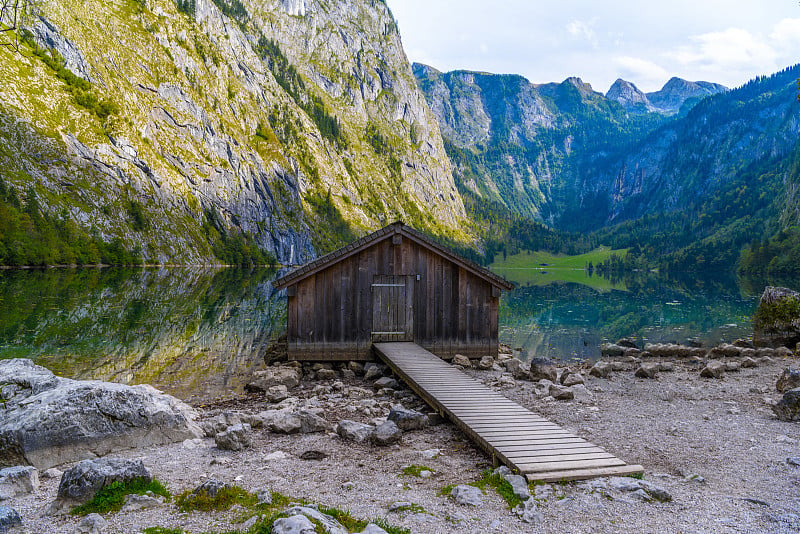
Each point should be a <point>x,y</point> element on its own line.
<point>196,333</point>
<point>564,320</point>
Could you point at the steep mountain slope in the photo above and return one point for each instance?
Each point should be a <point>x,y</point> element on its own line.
<point>522,145</point>
<point>291,120</point>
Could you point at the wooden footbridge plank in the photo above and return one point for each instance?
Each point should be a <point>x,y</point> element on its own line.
<point>524,441</point>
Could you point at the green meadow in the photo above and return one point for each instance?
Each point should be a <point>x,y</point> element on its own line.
<point>541,268</point>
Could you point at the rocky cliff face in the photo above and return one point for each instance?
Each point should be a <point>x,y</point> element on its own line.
<point>671,97</point>
<point>629,96</point>
<point>279,115</point>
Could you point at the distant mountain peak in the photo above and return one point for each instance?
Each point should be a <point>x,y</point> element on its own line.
<point>629,96</point>
<point>677,91</point>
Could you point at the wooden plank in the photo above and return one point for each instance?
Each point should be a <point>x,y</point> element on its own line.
<point>544,467</point>
<point>529,448</point>
<point>584,474</point>
<point>558,456</point>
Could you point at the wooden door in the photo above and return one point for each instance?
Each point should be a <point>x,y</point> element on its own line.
<point>392,308</point>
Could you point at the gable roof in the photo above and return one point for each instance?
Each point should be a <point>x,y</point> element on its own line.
<point>397,228</point>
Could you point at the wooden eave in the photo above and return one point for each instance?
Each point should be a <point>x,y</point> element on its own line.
<point>386,232</point>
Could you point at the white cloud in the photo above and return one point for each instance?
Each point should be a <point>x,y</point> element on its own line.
<point>785,36</point>
<point>584,30</point>
<point>645,72</point>
<point>731,48</point>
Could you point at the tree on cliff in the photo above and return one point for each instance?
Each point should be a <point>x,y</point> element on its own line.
<point>14,16</point>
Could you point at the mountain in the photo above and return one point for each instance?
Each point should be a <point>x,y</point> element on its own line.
<point>677,91</point>
<point>630,97</point>
<point>523,145</point>
<point>296,122</point>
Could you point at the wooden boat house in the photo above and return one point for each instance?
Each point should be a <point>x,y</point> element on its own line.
<point>392,285</point>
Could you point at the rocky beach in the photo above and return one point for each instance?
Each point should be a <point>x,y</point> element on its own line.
<point>352,438</point>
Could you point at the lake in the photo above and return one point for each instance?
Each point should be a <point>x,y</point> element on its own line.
<point>199,332</point>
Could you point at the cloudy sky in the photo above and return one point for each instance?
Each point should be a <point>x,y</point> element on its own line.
<point>645,42</point>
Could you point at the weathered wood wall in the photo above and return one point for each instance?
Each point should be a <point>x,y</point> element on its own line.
<point>330,312</point>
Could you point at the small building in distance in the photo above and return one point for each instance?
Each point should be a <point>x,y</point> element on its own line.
<point>392,285</point>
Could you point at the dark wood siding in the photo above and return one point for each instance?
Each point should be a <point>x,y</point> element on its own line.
<point>330,312</point>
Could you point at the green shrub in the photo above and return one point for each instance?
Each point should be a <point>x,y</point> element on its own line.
<point>223,500</point>
<point>781,311</point>
<point>414,470</point>
<point>112,497</point>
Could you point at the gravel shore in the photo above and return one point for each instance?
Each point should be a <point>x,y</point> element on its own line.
<point>712,444</point>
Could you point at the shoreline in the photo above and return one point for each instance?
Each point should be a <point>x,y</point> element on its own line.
<point>682,428</point>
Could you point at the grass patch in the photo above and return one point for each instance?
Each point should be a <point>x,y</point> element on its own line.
<point>162,530</point>
<point>489,479</point>
<point>447,490</point>
<point>112,497</point>
<point>637,476</point>
<point>415,470</point>
<point>351,524</point>
<point>411,507</point>
<point>225,498</point>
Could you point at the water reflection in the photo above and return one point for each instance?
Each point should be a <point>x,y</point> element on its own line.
<point>569,320</point>
<point>197,333</point>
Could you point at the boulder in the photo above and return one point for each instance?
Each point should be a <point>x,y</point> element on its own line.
<point>671,350</point>
<point>648,370</point>
<point>326,374</point>
<point>517,368</point>
<point>209,488</point>
<point>571,379</point>
<point>386,434</point>
<point>407,419</point>
<point>277,393</point>
<point>91,524</point>
<point>581,394</point>
<point>519,485</point>
<point>50,420</point>
<point>776,322</point>
<point>611,350</point>
<point>373,371</point>
<point>559,392</point>
<point>467,495</point>
<point>278,375</point>
<point>221,422</point>
<point>486,363</point>
<point>627,343</point>
<point>328,523</point>
<point>543,368</point>
<point>18,480</point>
<point>748,362</point>
<point>463,361</point>
<point>286,423</point>
<point>9,519</point>
<point>601,369</point>
<point>354,431</point>
<point>789,379</point>
<point>788,408</point>
<point>356,367</point>
<point>311,422</point>
<point>725,350</point>
<point>235,438</point>
<point>372,528</point>
<point>528,512</point>
<point>80,483</point>
<point>632,485</point>
<point>296,524</point>
<point>713,370</point>
<point>386,382</point>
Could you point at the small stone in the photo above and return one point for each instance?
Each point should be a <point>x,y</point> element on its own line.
<point>732,367</point>
<point>264,496</point>
<point>313,455</point>
<point>386,434</point>
<point>326,374</point>
<point>277,455</point>
<point>399,505</point>
<point>277,393</point>
<point>407,419</point>
<point>543,368</point>
<point>519,485</point>
<point>517,368</point>
<point>9,519</point>
<point>581,394</point>
<point>135,502</point>
<point>611,350</point>
<point>463,361</point>
<point>425,473</point>
<point>573,379</point>
<point>373,372</point>
<point>788,408</point>
<point>561,393</point>
<point>467,495</point>
<point>235,438</point>
<point>296,524</point>
<point>287,375</point>
<point>356,367</point>
<point>354,431</point>
<point>748,362</point>
<point>789,379</point>
<point>486,363</point>
<point>647,370</point>
<point>52,473</point>
<point>348,485</point>
<point>18,480</point>
<point>430,454</point>
<point>91,524</point>
<point>601,370</point>
<point>386,382</point>
<point>529,512</point>
<point>372,528</point>
<point>713,370</point>
<point>246,525</point>
<point>286,423</point>
<point>311,422</point>
<point>794,460</point>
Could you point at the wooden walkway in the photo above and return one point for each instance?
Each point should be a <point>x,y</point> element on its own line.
<point>524,441</point>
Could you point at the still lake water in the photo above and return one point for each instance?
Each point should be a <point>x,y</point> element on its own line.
<point>199,332</point>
